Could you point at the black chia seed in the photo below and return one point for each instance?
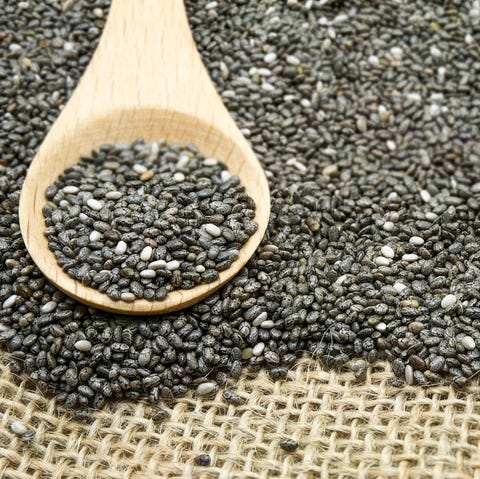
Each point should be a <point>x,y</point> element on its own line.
<point>232,398</point>
<point>203,460</point>
<point>289,445</point>
<point>141,220</point>
<point>161,415</point>
<point>366,117</point>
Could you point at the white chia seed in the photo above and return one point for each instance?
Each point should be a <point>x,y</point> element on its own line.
<point>410,257</point>
<point>382,261</point>
<point>121,248</point>
<point>159,264</point>
<point>95,236</point>
<point>258,349</point>
<point>94,204</point>
<point>83,345</point>
<point>206,389</point>
<point>146,253</point>
<point>173,265</point>
<point>127,297</point>
<point>388,252</point>
<point>48,307</point>
<point>213,230</point>
<point>18,428</point>
<point>140,169</point>
<point>468,343</point>
<point>113,195</point>
<point>9,302</point>
<point>388,226</point>
<point>148,273</point>
<point>416,240</point>
<point>210,162</point>
<point>448,301</point>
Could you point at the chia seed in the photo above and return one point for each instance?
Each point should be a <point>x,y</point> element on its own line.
<point>152,218</point>
<point>289,445</point>
<point>18,428</point>
<point>161,415</point>
<point>232,398</point>
<point>319,123</point>
<point>203,460</point>
<point>206,389</point>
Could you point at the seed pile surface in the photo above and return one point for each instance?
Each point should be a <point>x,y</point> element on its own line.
<point>366,118</point>
<point>141,220</point>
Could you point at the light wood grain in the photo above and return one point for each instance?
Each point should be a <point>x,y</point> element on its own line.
<point>146,79</point>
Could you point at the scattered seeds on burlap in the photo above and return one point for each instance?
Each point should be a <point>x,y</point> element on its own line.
<point>138,221</point>
<point>366,118</point>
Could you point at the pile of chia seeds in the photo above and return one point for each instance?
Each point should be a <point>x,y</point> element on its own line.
<point>366,117</point>
<point>141,220</point>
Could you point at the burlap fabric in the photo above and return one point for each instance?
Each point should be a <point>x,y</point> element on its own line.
<point>345,430</point>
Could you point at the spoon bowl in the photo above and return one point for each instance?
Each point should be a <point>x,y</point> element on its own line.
<point>145,80</point>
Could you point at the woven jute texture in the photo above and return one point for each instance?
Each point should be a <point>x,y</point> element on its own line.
<point>344,430</point>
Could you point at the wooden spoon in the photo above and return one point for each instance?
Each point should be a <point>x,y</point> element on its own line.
<point>146,79</point>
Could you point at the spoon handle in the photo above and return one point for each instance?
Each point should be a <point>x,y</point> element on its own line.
<point>147,59</point>
<point>147,48</point>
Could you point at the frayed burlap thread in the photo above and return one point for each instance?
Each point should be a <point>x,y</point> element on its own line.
<point>344,430</point>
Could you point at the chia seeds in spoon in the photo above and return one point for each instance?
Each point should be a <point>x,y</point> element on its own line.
<point>366,118</point>
<point>141,220</point>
